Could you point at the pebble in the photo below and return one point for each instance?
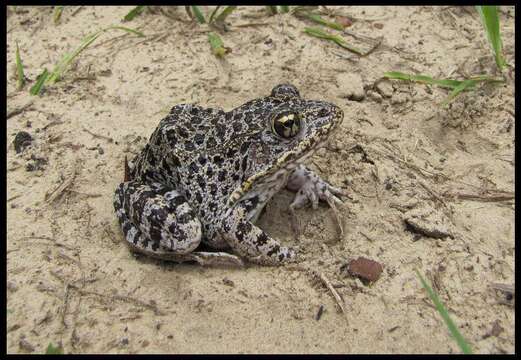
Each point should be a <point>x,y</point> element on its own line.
<point>350,86</point>
<point>385,89</point>
<point>22,140</point>
<point>427,221</point>
<point>373,95</point>
<point>365,269</point>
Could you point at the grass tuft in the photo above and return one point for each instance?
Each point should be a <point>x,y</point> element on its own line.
<point>462,343</point>
<point>490,18</point>
<point>20,77</point>
<point>330,37</point>
<point>40,80</point>
<point>133,13</point>
<point>64,63</point>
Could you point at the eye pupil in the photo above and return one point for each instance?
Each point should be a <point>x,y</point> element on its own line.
<point>286,125</point>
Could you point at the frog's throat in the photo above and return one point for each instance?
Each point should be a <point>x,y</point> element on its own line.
<point>307,146</point>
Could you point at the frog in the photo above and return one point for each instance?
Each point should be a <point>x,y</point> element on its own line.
<point>206,175</point>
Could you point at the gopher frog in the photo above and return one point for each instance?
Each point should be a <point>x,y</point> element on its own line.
<point>206,174</point>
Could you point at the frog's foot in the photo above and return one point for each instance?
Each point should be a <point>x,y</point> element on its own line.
<point>156,219</point>
<point>251,242</point>
<point>311,188</point>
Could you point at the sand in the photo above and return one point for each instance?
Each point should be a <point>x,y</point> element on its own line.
<point>399,155</point>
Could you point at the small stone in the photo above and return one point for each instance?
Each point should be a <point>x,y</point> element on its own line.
<point>25,345</point>
<point>385,89</point>
<point>11,286</point>
<point>365,269</point>
<point>427,221</point>
<point>350,86</point>
<point>228,282</point>
<point>495,331</point>
<point>124,341</point>
<point>145,343</point>
<point>373,95</point>
<point>399,98</point>
<point>21,141</point>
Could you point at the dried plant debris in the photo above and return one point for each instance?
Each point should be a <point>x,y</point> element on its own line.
<point>427,221</point>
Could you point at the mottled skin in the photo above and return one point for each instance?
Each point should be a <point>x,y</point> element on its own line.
<point>205,175</point>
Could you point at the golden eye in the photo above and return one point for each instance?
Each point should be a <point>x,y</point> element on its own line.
<point>286,125</point>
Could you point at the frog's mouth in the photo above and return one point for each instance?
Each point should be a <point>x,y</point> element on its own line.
<point>314,139</point>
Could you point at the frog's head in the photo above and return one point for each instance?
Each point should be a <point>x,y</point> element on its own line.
<point>288,130</point>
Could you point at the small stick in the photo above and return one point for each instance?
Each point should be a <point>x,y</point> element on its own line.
<point>13,197</point>
<point>53,195</point>
<point>109,139</point>
<point>65,304</point>
<point>333,291</point>
<point>19,110</point>
<point>484,198</point>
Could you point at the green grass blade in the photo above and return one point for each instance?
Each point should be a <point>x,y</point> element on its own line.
<point>60,68</point>
<point>424,79</point>
<point>198,14</point>
<point>20,77</point>
<point>57,13</point>
<point>210,19</point>
<point>51,349</point>
<point>217,44</point>
<point>458,89</point>
<point>334,38</point>
<point>40,80</point>
<point>133,13</point>
<point>224,14</point>
<point>490,19</point>
<point>319,20</point>
<point>462,343</point>
<point>284,9</point>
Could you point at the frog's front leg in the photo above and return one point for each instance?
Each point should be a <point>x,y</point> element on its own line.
<point>251,242</point>
<point>311,188</point>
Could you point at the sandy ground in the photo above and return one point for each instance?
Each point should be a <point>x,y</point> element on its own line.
<point>72,280</point>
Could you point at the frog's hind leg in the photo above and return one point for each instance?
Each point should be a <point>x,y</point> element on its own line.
<point>156,219</point>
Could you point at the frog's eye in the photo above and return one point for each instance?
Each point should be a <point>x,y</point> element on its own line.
<point>286,125</point>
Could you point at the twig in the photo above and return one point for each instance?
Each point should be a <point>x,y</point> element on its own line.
<point>13,197</point>
<point>76,10</point>
<point>109,139</point>
<point>19,110</point>
<point>333,291</point>
<point>251,24</point>
<point>484,198</point>
<point>65,304</point>
<point>53,195</point>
